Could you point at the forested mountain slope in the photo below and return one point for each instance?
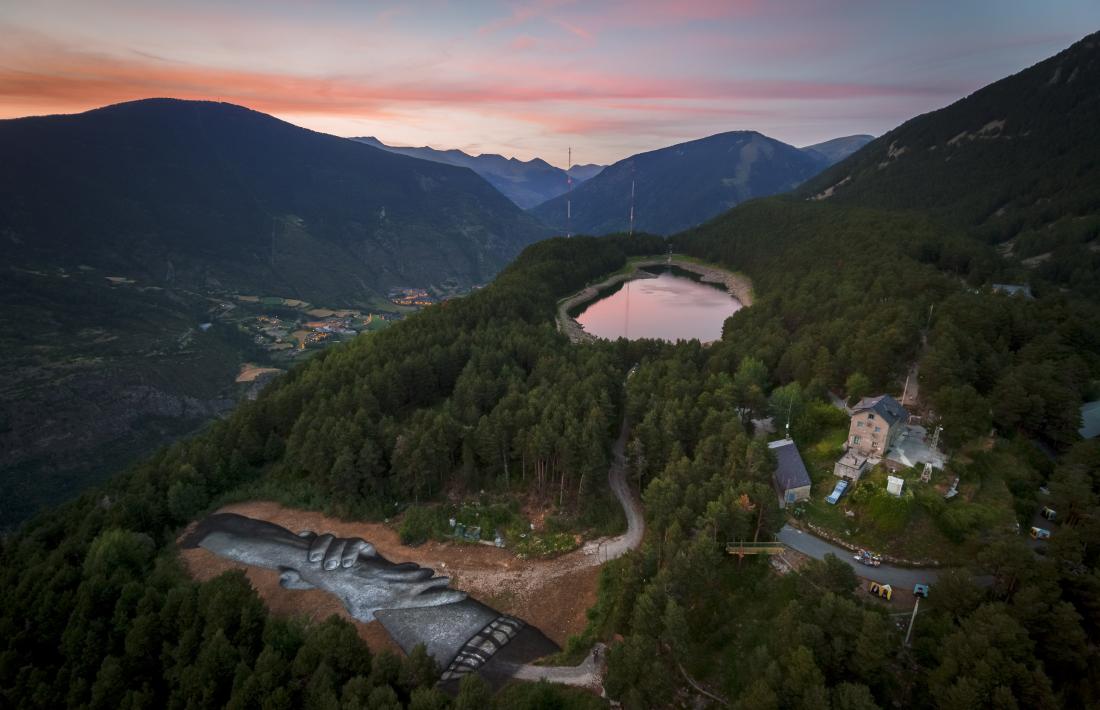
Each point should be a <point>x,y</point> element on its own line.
<point>126,230</point>
<point>482,394</point>
<point>193,193</point>
<point>525,182</point>
<point>1015,164</point>
<point>476,392</point>
<point>682,185</point>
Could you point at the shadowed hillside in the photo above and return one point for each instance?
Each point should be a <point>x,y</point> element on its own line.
<point>682,185</point>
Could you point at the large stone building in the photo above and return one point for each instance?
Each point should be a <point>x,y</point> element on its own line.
<point>876,423</point>
<point>792,481</point>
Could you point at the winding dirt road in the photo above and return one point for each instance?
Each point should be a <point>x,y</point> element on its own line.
<point>616,547</point>
<point>589,674</point>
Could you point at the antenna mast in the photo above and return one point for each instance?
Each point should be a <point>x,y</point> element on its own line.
<point>569,196</point>
<point>632,199</point>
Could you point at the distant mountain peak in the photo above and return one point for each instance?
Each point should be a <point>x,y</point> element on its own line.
<point>837,149</point>
<point>682,185</point>
<point>525,182</point>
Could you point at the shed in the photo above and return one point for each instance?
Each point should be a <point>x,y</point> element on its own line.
<point>851,465</point>
<point>791,480</point>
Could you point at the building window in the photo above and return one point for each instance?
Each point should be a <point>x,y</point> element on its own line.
<point>855,439</point>
<point>878,428</point>
<point>859,424</point>
<point>870,416</point>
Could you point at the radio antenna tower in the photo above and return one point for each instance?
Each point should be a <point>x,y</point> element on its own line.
<point>632,199</point>
<point>569,195</point>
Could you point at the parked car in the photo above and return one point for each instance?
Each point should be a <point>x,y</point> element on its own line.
<point>841,486</point>
<point>1040,534</point>
<point>883,591</point>
<point>866,557</point>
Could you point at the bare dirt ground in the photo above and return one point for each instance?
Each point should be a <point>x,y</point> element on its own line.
<point>553,594</point>
<point>249,372</point>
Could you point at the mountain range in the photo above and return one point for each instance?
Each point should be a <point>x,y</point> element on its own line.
<point>683,185</point>
<point>124,227</point>
<point>527,183</point>
<point>191,192</point>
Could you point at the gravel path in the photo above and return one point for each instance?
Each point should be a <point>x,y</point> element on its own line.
<point>589,673</point>
<point>616,547</point>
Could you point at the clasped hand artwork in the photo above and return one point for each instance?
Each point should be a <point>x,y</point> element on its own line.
<point>412,604</point>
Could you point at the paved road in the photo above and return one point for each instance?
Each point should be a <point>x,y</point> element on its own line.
<point>900,577</point>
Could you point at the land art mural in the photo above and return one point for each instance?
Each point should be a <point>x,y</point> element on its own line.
<point>413,604</point>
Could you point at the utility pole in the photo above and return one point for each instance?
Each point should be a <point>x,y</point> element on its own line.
<point>911,620</point>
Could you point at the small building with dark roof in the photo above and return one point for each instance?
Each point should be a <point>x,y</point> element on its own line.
<point>876,423</point>
<point>1090,420</point>
<point>1014,290</point>
<point>791,480</point>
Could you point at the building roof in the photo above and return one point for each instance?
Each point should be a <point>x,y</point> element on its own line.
<point>1090,420</point>
<point>852,459</point>
<point>1013,289</point>
<point>885,406</point>
<point>790,472</point>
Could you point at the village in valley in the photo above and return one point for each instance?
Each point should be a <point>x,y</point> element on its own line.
<point>284,330</point>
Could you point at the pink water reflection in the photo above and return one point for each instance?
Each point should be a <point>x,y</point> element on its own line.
<point>669,307</point>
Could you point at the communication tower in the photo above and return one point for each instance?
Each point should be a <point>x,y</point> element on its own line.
<point>632,199</point>
<point>569,195</point>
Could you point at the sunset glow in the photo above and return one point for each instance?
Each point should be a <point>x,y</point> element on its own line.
<point>530,78</point>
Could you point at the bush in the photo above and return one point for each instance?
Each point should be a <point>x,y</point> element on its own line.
<point>961,519</point>
<point>422,523</point>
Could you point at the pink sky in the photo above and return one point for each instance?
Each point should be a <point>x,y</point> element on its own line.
<point>531,79</point>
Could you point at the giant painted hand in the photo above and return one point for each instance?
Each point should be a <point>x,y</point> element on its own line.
<point>348,568</point>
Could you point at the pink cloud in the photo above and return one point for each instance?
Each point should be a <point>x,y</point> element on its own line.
<point>523,42</point>
<point>523,14</point>
<point>574,30</point>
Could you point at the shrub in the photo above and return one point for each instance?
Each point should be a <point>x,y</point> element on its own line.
<point>422,523</point>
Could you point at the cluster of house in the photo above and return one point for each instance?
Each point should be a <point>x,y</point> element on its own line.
<point>332,325</point>
<point>875,426</point>
<point>411,297</point>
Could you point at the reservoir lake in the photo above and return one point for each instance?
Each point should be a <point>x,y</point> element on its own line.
<point>673,306</point>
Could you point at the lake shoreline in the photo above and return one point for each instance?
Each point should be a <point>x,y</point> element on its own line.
<point>737,285</point>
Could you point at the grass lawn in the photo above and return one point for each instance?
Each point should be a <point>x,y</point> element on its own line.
<point>919,525</point>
